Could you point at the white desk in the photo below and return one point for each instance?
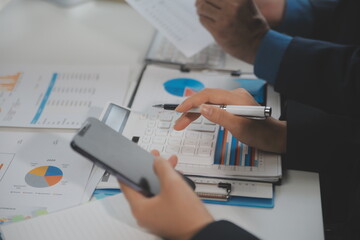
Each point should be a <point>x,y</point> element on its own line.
<point>110,32</point>
<point>93,33</point>
<point>297,213</point>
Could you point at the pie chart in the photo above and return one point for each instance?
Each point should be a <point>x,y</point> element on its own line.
<point>183,87</point>
<point>44,176</point>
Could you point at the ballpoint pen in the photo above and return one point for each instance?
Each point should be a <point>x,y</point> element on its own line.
<point>253,112</point>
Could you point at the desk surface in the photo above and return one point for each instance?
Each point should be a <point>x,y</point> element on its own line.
<point>105,32</point>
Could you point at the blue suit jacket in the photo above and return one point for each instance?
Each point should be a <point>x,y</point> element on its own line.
<point>320,79</point>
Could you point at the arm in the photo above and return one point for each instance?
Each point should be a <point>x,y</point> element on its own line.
<point>326,143</point>
<point>320,141</point>
<point>321,74</point>
<point>327,72</point>
<point>293,17</point>
<point>223,230</point>
<point>323,17</point>
<point>238,26</point>
<point>306,18</point>
<point>298,18</point>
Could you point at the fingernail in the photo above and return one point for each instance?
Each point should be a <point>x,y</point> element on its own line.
<point>206,110</point>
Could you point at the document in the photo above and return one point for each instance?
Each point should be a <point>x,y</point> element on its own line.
<point>58,96</point>
<point>20,213</point>
<point>41,171</point>
<point>109,219</point>
<point>166,85</point>
<point>231,158</point>
<point>178,21</point>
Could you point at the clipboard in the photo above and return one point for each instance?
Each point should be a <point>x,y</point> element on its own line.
<point>259,92</point>
<point>234,192</point>
<point>222,198</point>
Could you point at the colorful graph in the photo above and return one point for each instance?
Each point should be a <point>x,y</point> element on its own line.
<point>44,176</point>
<point>183,87</point>
<point>20,217</point>
<point>8,82</point>
<point>229,151</point>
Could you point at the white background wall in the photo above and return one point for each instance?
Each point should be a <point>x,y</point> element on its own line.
<point>3,2</point>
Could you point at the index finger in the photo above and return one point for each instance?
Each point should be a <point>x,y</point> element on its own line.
<point>209,95</point>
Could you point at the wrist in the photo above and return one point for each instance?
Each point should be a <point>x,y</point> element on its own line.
<point>255,43</point>
<point>259,28</point>
<point>268,135</point>
<point>282,136</point>
<point>269,55</point>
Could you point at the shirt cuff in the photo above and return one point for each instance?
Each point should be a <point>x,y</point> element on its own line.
<point>270,54</point>
<point>298,18</point>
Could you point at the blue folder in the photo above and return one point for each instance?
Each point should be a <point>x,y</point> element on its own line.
<point>245,202</point>
<point>256,87</point>
<point>233,201</point>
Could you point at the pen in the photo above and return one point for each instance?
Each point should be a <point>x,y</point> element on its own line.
<point>253,112</point>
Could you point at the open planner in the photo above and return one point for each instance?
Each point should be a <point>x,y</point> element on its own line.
<point>223,169</point>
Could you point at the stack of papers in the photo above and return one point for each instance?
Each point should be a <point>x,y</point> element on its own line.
<point>39,172</point>
<point>58,96</point>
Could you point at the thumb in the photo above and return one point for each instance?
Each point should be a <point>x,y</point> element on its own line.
<point>218,115</point>
<point>164,171</point>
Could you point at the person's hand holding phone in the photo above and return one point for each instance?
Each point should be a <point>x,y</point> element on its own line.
<point>176,212</point>
<point>267,135</point>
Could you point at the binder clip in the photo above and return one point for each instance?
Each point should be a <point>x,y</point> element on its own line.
<point>213,191</point>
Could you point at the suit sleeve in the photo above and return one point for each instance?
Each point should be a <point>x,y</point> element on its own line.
<point>298,18</point>
<point>317,139</point>
<point>306,17</point>
<point>326,143</point>
<point>282,57</point>
<point>323,12</point>
<point>223,230</point>
<point>321,74</point>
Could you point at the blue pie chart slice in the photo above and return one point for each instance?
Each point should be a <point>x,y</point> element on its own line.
<point>183,87</point>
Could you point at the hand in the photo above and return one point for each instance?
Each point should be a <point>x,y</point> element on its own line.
<point>176,212</point>
<point>272,10</point>
<point>236,25</point>
<point>267,135</point>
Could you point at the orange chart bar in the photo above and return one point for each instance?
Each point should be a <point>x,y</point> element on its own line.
<point>7,83</point>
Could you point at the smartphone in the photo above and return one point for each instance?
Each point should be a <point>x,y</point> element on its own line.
<point>121,157</point>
